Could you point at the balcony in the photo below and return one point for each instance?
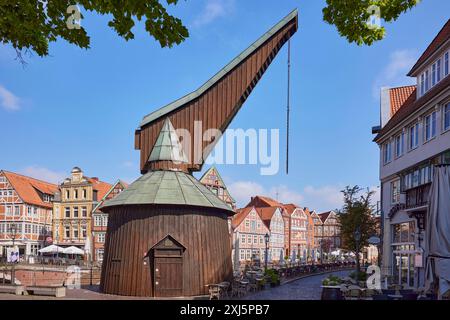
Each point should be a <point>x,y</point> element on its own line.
<point>418,196</point>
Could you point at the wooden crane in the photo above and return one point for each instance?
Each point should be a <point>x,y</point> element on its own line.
<point>216,102</point>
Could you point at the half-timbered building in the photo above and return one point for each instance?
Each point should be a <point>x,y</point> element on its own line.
<point>100,221</point>
<point>214,182</point>
<point>26,203</point>
<point>273,219</point>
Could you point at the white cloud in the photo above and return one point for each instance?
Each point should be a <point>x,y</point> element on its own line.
<point>394,74</point>
<point>242,191</point>
<point>8,100</point>
<point>323,198</point>
<point>319,199</point>
<point>213,10</point>
<point>44,174</point>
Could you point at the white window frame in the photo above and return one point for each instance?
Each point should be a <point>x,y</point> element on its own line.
<point>413,143</point>
<point>446,116</point>
<point>400,145</point>
<point>387,152</point>
<point>395,191</point>
<point>430,125</point>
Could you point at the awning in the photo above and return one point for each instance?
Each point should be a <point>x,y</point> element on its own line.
<point>52,249</point>
<point>437,234</point>
<point>73,250</point>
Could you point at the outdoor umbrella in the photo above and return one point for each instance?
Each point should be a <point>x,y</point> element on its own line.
<point>437,233</point>
<point>51,249</point>
<point>73,250</point>
<point>281,257</point>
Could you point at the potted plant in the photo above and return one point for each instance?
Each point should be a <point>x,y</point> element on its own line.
<point>274,277</point>
<point>331,288</point>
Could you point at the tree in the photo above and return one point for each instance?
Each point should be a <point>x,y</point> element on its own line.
<point>32,24</point>
<point>356,216</point>
<point>351,17</point>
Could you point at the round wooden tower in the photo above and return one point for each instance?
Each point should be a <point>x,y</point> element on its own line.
<point>167,234</point>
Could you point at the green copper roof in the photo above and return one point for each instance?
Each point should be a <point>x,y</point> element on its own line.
<point>168,146</point>
<point>167,187</point>
<point>247,52</point>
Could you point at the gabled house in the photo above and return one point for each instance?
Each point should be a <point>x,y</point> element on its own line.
<point>73,205</point>
<point>331,238</point>
<point>248,235</point>
<point>273,219</point>
<point>214,182</point>
<point>25,213</point>
<point>100,221</point>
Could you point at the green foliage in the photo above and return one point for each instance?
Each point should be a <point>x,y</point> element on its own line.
<point>362,276</point>
<point>32,24</point>
<point>274,277</point>
<point>332,280</point>
<point>350,17</point>
<point>356,215</point>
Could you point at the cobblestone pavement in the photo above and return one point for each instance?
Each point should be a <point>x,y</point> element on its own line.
<point>303,289</point>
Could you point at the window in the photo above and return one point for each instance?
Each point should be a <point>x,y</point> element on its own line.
<point>387,151</point>
<point>67,232</point>
<point>395,192</point>
<point>27,228</point>
<point>422,84</point>
<point>75,194</point>
<point>2,179</point>
<point>447,116</point>
<point>67,194</point>
<point>8,210</point>
<point>427,80</point>
<point>29,211</point>
<point>247,223</point>
<point>84,211</point>
<point>35,212</point>
<point>75,212</point>
<point>243,238</point>
<point>438,70</point>
<point>430,126</point>
<point>75,232</point>
<point>414,136</point>
<point>399,144</point>
<point>83,232</point>
<point>67,210</point>
<point>100,253</point>
<point>255,239</point>
<point>101,237</point>
<point>16,210</point>
<point>253,226</point>
<point>433,75</point>
<point>446,64</point>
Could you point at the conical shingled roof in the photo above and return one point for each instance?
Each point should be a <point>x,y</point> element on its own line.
<point>167,187</point>
<point>168,146</point>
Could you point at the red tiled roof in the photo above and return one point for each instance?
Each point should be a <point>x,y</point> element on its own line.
<point>266,214</point>
<point>290,208</point>
<point>410,106</point>
<point>101,187</point>
<point>260,201</point>
<point>27,188</point>
<point>324,216</point>
<point>240,215</point>
<point>437,42</point>
<point>400,95</point>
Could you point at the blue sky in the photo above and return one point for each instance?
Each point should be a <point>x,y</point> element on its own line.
<point>80,107</point>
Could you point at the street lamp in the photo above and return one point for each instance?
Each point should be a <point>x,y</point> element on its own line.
<point>13,233</point>
<point>357,235</point>
<point>266,238</point>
